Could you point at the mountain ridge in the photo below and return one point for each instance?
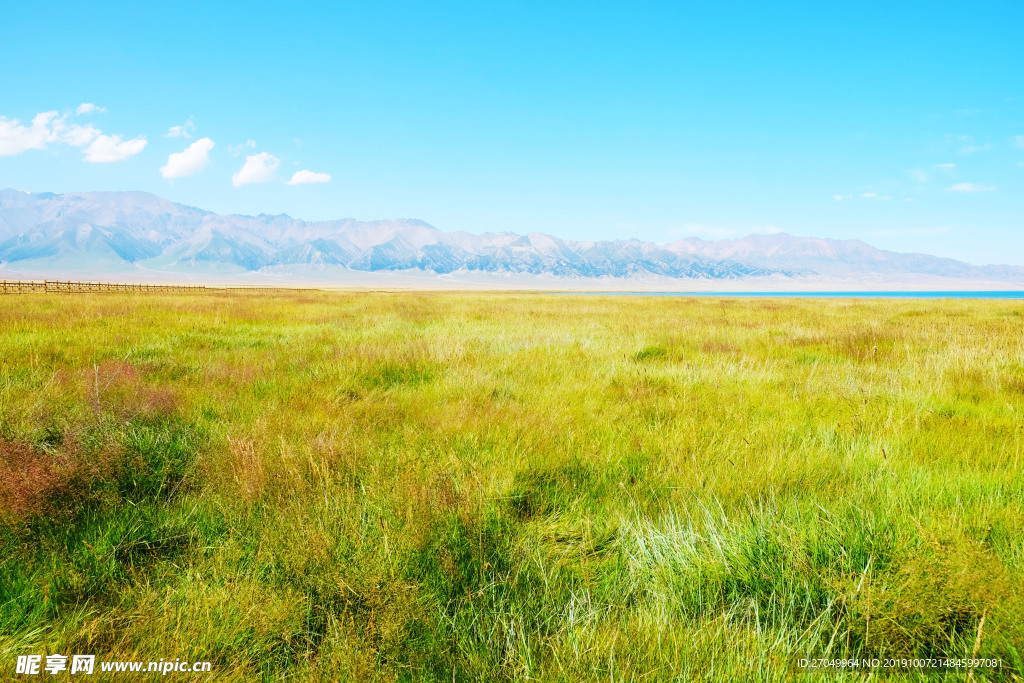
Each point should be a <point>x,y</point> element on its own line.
<point>119,232</point>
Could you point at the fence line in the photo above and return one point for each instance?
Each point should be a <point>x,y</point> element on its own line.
<point>72,287</point>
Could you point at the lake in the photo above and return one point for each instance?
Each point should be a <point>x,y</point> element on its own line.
<point>812,295</point>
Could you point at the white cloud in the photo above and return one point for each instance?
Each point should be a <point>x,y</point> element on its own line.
<point>946,167</point>
<point>89,108</point>
<point>110,148</point>
<point>969,187</point>
<point>304,177</point>
<point>874,195</point>
<point>913,231</point>
<point>700,230</point>
<point>238,149</point>
<point>841,197</point>
<point>16,138</point>
<point>190,161</point>
<point>969,146</point>
<point>185,130</point>
<point>717,232</point>
<point>74,135</point>
<point>258,168</point>
<point>46,128</point>
<point>918,175</point>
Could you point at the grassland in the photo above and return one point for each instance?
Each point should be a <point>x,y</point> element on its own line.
<point>505,487</point>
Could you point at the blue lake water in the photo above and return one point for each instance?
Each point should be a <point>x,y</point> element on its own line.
<point>814,295</point>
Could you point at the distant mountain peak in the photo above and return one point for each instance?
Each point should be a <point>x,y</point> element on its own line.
<point>121,231</point>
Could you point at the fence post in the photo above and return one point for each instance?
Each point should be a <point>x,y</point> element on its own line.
<point>71,287</point>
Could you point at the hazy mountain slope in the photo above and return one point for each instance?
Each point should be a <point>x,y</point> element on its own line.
<point>115,231</point>
<point>835,257</point>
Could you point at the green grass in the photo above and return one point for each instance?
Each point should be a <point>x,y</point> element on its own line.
<point>437,487</point>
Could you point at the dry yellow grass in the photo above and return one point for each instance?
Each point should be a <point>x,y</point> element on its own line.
<point>402,486</point>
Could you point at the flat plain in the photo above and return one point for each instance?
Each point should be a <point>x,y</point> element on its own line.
<point>397,486</point>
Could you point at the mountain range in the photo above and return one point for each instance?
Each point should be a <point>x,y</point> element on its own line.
<point>119,234</point>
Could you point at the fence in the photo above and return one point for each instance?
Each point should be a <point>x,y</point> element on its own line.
<point>70,287</point>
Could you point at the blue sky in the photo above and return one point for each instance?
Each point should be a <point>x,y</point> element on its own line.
<point>898,123</point>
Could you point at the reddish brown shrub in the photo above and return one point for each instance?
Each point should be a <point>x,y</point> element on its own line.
<point>30,478</point>
<point>120,386</point>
